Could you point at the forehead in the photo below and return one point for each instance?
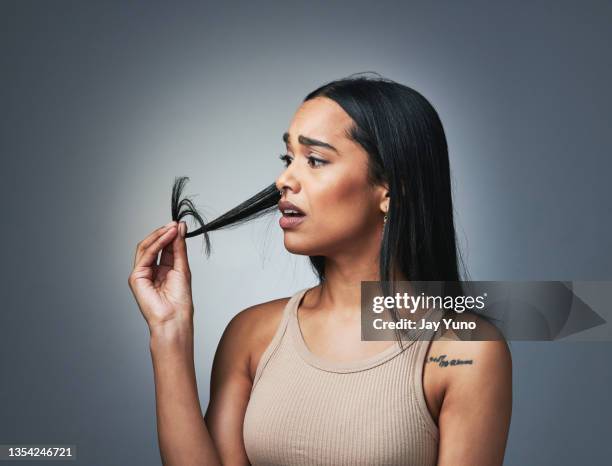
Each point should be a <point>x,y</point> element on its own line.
<point>320,118</point>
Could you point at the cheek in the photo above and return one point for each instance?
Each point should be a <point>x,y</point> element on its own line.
<point>341,209</point>
<point>343,204</point>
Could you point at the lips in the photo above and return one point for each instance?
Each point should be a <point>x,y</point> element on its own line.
<point>289,209</point>
<point>292,215</point>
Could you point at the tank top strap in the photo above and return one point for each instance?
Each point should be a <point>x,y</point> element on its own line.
<point>288,310</point>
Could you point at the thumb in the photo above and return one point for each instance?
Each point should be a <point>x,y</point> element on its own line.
<point>181,263</point>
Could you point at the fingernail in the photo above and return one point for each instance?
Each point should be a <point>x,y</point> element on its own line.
<point>183,228</point>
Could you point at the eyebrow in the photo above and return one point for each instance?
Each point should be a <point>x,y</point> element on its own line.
<point>309,141</point>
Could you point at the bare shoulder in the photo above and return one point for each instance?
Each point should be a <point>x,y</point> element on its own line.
<point>464,359</point>
<point>254,327</point>
<point>472,389</point>
<point>483,355</point>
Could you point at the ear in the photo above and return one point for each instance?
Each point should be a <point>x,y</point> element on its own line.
<point>385,197</point>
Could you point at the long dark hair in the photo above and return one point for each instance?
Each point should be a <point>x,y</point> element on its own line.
<point>404,138</point>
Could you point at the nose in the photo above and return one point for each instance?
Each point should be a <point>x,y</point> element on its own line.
<point>287,180</point>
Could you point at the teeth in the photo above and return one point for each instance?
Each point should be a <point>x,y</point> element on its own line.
<point>291,212</point>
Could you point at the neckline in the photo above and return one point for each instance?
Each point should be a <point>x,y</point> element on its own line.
<point>335,366</point>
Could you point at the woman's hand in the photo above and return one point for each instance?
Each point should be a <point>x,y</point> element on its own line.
<point>163,291</point>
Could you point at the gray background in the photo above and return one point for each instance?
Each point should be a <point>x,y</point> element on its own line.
<point>103,104</point>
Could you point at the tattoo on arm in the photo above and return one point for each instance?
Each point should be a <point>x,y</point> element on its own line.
<point>443,362</point>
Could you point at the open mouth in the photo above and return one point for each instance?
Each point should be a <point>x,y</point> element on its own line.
<point>289,209</point>
<point>292,213</point>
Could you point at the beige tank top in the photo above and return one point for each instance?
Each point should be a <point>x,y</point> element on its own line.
<point>305,410</point>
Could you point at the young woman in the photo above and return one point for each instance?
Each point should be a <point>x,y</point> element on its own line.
<point>366,194</point>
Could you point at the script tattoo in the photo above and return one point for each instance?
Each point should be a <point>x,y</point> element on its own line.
<point>443,362</point>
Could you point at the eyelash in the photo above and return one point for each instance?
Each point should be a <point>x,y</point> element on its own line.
<point>287,159</point>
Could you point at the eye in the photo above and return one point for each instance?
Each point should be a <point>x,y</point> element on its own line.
<point>316,161</point>
<point>285,158</point>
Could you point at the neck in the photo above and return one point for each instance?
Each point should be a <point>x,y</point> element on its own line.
<point>341,289</point>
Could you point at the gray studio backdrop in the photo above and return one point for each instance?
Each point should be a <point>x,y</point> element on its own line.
<point>104,103</point>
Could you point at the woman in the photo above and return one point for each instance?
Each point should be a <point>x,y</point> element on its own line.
<point>366,194</point>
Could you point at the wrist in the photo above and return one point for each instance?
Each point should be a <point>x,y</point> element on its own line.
<point>171,334</point>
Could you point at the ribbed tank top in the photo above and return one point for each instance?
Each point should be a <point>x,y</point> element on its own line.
<point>305,410</point>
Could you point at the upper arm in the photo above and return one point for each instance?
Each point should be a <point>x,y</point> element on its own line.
<point>475,414</point>
<point>230,388</point>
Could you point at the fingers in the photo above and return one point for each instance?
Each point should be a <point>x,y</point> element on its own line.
<point>174,255</point>
<point>148,249</point>
<point>167,254</point>
<point>145,243</point>
<point>179,251</point>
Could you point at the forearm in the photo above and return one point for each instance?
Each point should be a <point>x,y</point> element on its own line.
<point>183,436</point>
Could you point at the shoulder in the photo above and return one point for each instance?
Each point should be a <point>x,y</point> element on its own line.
<point>458,360</point>
<point>258,318</point>
<point>485,358</point>
<point>474,396</point>
<point>251,330</point>
<point>479,355</point>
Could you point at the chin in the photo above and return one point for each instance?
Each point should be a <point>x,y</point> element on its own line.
<point>295,246</point>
